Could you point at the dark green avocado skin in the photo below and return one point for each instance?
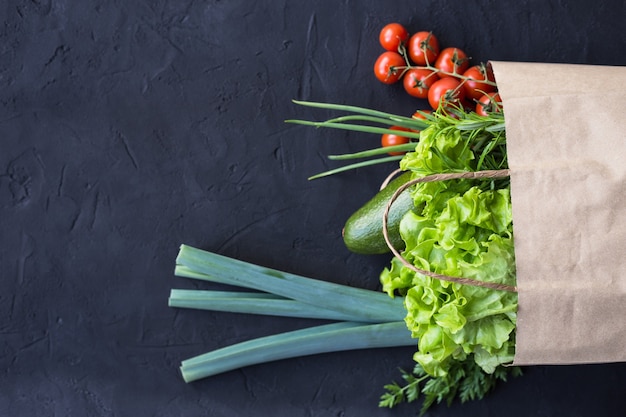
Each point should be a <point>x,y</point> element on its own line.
<point>363,231</point>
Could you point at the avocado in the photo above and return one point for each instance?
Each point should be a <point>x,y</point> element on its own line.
<point>363,231</point>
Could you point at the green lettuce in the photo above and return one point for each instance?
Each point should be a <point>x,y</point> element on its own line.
<point>460,228</point>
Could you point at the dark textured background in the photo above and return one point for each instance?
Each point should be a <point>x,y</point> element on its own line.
<point>130,127</point>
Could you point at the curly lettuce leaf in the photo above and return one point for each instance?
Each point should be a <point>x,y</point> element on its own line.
<point>462,229</point>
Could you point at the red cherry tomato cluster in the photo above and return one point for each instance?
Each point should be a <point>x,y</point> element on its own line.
<point>443,77</point>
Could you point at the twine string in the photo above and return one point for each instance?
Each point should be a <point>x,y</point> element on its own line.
<point>486,174</point>
<point>389,178</point>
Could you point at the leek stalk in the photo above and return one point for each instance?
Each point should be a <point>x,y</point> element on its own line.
<point>363,319</point>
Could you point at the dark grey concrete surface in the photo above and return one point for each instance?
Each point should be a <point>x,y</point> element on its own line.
<point>130,127</point>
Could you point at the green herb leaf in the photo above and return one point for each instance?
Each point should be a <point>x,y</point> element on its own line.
<point>465,381</point>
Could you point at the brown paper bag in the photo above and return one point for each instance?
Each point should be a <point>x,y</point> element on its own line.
<point>566,143</point>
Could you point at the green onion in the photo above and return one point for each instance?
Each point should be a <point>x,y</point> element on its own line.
<point>470,122</point>
<point>367,116</point>
<point>253,303</point>
<point>409,123</point>
<point>365,319</point>
<point>405,147</point>
<point>353,109</point>
<point>356,165</point>
<point>355,127</point>
<point>371,306</point>
<point>314,340</point>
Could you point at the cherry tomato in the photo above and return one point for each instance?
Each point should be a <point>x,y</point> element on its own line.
<point>474,88</point>
<point>452,61</point>
<point>391,139</point>
<point>392,36</point>
<point>423,48</point>
<point>389,67</point>
<point>417,81</point>
<point>446,92</point>
<point>489,103</point>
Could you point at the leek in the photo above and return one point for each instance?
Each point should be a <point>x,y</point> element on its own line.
<point>363,319</point>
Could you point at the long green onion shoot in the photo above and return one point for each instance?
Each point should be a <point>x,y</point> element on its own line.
<point>335,337</point>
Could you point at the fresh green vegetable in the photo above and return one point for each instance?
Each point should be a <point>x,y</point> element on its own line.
<point>459,228</point>
<point>254,303</point>
<point>464,229</point>
<point>333,337</point>
<point>363,115</point>
<point>365,318</point>
<point>465,380</point>
<point>199,264</point>
<point>351,331</point>
<point>363,231</point>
